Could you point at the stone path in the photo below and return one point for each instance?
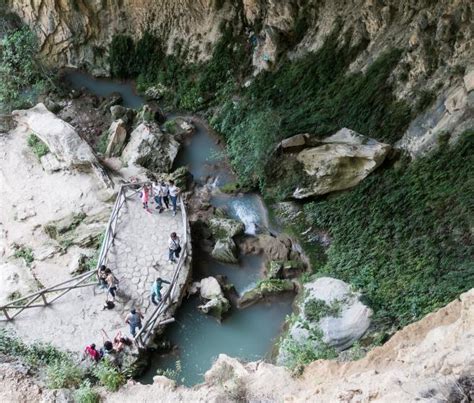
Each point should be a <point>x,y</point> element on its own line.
<point>140,252</point>
<point>76,320</point>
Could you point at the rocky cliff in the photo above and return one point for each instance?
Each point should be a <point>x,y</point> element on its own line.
<point>437,39</point>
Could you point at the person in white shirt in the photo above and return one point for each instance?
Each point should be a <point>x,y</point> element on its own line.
<point>164,194</point>
<point>174,192</point>
<point>157,196</point>
<point>174,247</point>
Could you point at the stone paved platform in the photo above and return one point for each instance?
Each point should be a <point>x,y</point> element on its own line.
<point>76,320</point>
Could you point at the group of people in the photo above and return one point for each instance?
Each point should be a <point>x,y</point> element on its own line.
<point>110,348</point>
<point>162,193</point>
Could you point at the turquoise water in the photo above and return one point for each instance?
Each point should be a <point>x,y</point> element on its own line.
<point>248,334</point>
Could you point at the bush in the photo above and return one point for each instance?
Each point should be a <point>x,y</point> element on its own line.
<point>121,56</point>
<point>86,394</point>
<point>25,253</point>
<point>403,235</point>
<point>38,147</point>
<point>19,67</point>
<point>64,374</point>
<point>109,376</point>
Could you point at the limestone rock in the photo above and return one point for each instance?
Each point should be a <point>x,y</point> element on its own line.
<point>50,163</point>
<point>225,251</point>
<point>294,142</point>
<point>150,148</point>
<point>341,163</point>
<point>117,134</point>
<point>223,228</point>
<point>469,81</point>
<point>456,100</point>
<point>62,140</point>
<point>331,314</point>
<point>210,288</point>
<point>15,282</point>
<point>263,289</point>
<point>217,305</point>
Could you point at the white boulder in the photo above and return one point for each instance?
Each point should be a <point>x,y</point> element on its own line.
<point>117,134</point>
<point>341,162</point>
<point>210,288</point>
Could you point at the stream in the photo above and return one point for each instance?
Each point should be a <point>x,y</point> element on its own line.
<point>249,333</point>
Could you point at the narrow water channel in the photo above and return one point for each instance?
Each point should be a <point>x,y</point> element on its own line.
<point>248,334</point>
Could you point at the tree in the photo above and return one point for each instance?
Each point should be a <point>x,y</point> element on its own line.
<point>19,67</point>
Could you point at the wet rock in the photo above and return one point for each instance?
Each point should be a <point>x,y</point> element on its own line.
<point>223,228</point>
<point>340,163</point>
<point>150,148</point>
<point>217,305</point>
<point>113,99</point>
<point>263,289</point>
<point>117,135</point>
<point>120,112</point>
<point>331,315</point>
<point>225,250</point>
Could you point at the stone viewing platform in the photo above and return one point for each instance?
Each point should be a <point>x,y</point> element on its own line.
<point>135,248</point>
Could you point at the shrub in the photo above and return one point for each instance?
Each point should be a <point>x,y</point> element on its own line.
<point>25,253</point>
<point>86,394</point>
<point>109,376</point>
<point>19,67</point>
<point>64,374</point>
<point>315,309</point>
<point>38,147</point>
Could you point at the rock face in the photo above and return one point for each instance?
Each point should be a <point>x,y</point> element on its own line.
<point>117,135</point>
<point>340,163</point>
<point>16,281</point>
<point>150,148</point>
<point>217,305</point>
<point>331,316</point>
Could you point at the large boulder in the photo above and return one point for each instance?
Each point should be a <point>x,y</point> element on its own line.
<point>117,135</point>
<point>225,227</point>
<point>60,137</point>
<point>341,162</point>
<point>69,149</point>
<point>150,148</point>
<point>331,316</point>
<point>225,251</point>
<point>216,304</point>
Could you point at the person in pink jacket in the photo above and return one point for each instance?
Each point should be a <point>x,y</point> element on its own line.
<point>145,195</point>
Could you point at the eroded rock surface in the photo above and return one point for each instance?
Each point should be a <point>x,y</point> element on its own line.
<point>343,160</point>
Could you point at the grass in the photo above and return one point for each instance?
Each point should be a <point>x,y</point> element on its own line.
<point>403,236</point>
<point>25,253</point>
<point>38,147</point>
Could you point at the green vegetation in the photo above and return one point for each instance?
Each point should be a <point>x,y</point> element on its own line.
<point>19,67</point>
<point>102,142</point>
<point>86,394</point>
<point>25,253</point>
<point>172,373</point>
<point>315,309</point>
<point>313,94</point>
<point>38,147</point>
<point>64,374</point>
<point>403,236</point>
<point>109,376</point>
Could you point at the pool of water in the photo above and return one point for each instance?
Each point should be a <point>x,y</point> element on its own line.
<point>248,334</point>
<point>104,87</point>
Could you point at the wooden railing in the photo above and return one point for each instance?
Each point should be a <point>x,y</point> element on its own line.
<point>17,306</point>
<point>158,316</point>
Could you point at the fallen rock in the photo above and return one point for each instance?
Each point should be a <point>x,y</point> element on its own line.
<point>223,228</point>
<point>117,135</point>
<point>217,305</point>
<point>62,140</point>
<point>263,289</point>
<point>331,316</point>
<point>293,143</point>
<point>340,163</point>
<point>225,250</point>
<point>150,148</point>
